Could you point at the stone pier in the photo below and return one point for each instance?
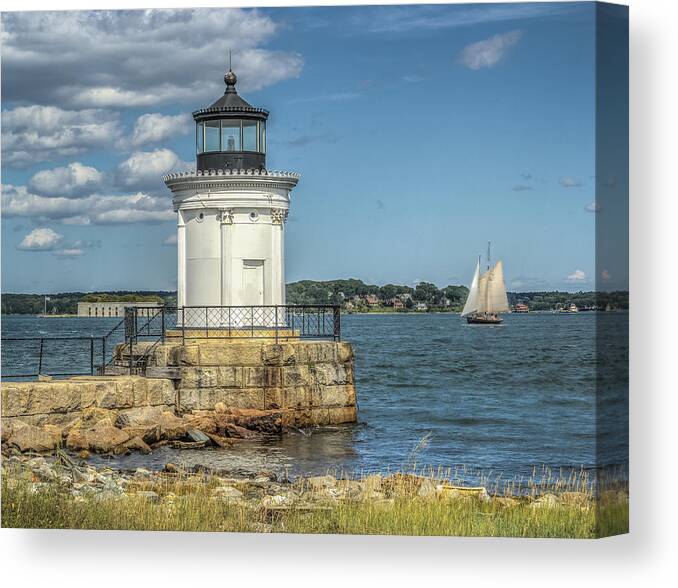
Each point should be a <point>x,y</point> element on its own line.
<point>308,382</point>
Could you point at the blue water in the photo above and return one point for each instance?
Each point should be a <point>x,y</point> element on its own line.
<point>497,399</point>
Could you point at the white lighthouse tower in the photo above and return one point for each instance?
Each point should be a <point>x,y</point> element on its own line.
<point>231,215</point>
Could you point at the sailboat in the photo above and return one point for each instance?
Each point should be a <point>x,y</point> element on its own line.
<point>487,295</point>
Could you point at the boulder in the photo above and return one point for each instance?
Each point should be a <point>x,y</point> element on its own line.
<point>134,444</point>
<point>101,438</point>
<point>141,416</point>
<point>10,427</point>
<point>104,437</point>
<point>198,436</point>
<point>545,501</point>
<point>320,482</point>
<point>31,438</point>
<point>55,431</point>
<point>236,432</point>
<point>93,415</point>
<point>148,433</point>
<point>220,441</point>
<point>171,427</point>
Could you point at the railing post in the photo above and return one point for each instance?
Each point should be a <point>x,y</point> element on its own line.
<point>42,341</point>
<point>183,325</point>
<point>91,356</point>
<point>131,339</point>
<point>275,325</point>
<point>162,326</point>
<point>252,320</point>
<point>337,324</point>
<point>229,322</point>
<point>103,356</point>
<point>207,333</point>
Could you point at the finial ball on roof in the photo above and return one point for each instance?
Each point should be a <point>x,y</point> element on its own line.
<point>230,78</point>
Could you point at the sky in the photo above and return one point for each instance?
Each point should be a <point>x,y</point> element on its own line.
<point>421,133</point>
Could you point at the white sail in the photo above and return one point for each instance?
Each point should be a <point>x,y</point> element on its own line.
<point>472,300</point>
<point>495,295</point>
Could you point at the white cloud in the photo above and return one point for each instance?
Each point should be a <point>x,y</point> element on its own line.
<point>489,52</point>
<point>92,209</point>
<point>570,182</point>
<point>72,252</point>
<point>72,180</point>
<point>170,241</point>
<point>41,239</point>
<point>122,58</point>
<point>592,207</point>
<point>153,128</point>
<point>576,277</point>
<point>144,169</point>
<point>32,134</point>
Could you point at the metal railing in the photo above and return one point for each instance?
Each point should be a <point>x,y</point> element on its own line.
<point>27,357</point>
<point>277,322</point>
<point>59,356</point>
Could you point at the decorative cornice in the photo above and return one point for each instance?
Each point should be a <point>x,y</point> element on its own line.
<point>231,173</point>
<point>214,180</point>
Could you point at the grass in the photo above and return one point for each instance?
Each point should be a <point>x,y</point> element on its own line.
<point>187,506</point>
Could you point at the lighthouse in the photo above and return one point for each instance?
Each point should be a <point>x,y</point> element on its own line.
<point>231,213</point>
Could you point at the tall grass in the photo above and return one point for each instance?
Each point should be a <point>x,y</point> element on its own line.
<point>187,505</point>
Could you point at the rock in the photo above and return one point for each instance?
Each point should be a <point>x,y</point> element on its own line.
<point>545,501</point>
<point>134,444</point>
<point>237,432</point>
<point>148,495</point>
<point>54,431</point>
<point>11,427</point>
<point>83,454</point>
<point>143,473</point>
<point>320,482</point>
<point>170,468</point>
<point>276,501</point>
<point>149,433</point>
<point>198,436</point>
<point>31,438</point>
<point>462,492</point>
<point>204,423</point>
<point>45,378</point>
<point>141,416</point>
<point>171,426</point>
<point>220,441</point>
<point>227,494</point>
<point>101,438</point>
<point>93,415</point>
<point>220,408</point>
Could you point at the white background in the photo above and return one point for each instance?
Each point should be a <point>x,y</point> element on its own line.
<point>645,557</point>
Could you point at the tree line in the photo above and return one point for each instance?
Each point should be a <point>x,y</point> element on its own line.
<point>339,292</point>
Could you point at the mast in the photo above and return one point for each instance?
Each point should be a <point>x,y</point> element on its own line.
<point>489,280</point>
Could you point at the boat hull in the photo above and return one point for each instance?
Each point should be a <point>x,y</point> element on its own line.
<point>484,320</point>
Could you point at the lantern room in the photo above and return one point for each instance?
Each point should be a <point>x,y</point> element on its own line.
<point>230,134</point>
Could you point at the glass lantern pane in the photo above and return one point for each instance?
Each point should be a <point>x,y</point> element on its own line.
<point>212,135</point>
<point>230,135</point>
<point>249,135</point>
<point>262,137</point>
<point>199,138</point>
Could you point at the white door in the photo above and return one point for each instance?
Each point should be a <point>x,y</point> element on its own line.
<point>253,282</point>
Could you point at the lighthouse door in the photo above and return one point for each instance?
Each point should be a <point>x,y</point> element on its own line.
<point>253,282</point>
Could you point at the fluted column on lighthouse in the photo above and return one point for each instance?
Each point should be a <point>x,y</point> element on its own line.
<point>226,220</point>
<point>181,259</point>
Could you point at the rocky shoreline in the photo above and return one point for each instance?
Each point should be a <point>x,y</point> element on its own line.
<point>100,430</point>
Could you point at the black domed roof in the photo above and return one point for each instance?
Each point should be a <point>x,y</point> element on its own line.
<point>230,104</point>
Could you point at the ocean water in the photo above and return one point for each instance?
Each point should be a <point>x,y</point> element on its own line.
<point>540,390</point>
